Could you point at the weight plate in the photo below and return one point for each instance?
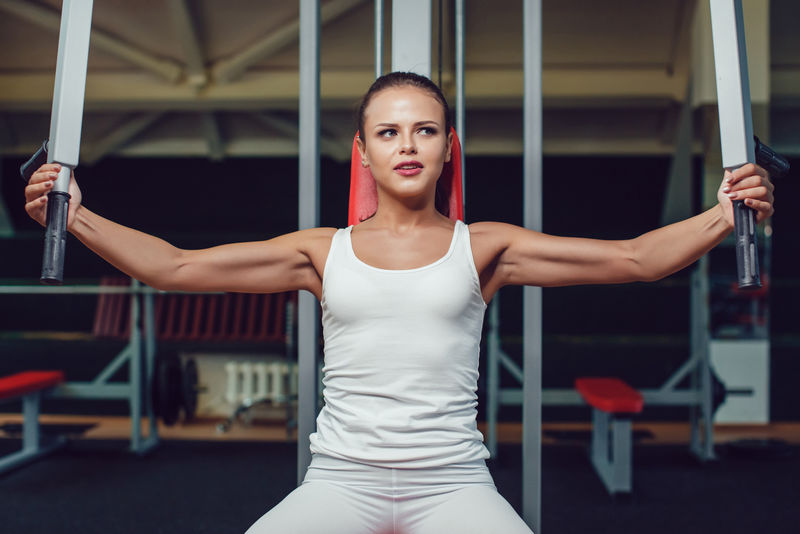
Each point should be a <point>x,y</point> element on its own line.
<point>189,389</point>
<point>168,388</point>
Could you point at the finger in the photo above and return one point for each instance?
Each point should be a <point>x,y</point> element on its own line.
<point>42,175</point>
<point>745,183</point>
<point>35,207</point>
<point>760,193</point>
<point>764,209</point>
<point>744,171</point>
<point>36,190</point>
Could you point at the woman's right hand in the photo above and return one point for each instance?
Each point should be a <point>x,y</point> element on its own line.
<point>40,184</point>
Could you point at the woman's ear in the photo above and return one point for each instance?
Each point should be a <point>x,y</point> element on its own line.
<point>362,150</point>
<point>449,146</point>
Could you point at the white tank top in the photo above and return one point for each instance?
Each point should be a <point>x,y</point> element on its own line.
<point>401,359</point>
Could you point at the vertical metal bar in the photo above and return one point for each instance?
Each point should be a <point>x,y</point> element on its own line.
<point>622,454</point>
<point>150,363</point>
<point>308,207</point>
<point>30,421</point>
<point>532,296</point>
<point>378,38</point>
<point>66,118</point>
<point>411,36</point>
<point>135,366</point>
<point>460,103</point>
<point>704,343</point>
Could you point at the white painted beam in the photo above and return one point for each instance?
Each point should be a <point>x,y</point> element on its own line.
<point>185,29</point>
<point>51,19</point>
<point>340,89</point>
<point>411,36</point>
<point>230,69</point>
<point>329,145</point>
<point>213,135</point>
<point>118,138</point>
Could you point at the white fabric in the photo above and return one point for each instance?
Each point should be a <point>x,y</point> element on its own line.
<point>401,359</point>
<point>341,497</point>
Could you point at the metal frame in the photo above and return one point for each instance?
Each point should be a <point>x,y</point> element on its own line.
<point>32,446</point>
<point>532,296</point>
<point>308,200</point>
<point>411,36</point>
<point>669,394</point>
<point>66,118</point>
<point>139,353</point>
<point>610,451</point>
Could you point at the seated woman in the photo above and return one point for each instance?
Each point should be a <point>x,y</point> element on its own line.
<point>403,296</point>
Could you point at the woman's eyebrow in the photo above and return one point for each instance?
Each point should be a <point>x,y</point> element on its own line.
<point>416,124</point>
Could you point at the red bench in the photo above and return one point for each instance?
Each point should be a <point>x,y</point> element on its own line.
<point>30,385</point>
<point>613,403</point>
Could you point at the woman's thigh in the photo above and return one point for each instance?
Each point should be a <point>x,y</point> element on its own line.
<point>477,509</point>
<point>316,507</point>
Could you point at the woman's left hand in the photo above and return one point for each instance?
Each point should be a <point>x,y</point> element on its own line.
<point>749,183</point>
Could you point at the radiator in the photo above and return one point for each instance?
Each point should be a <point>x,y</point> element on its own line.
<point>248,382</point>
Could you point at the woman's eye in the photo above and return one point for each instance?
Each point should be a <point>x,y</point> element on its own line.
<point>427,131</point>
<point>389,132</point>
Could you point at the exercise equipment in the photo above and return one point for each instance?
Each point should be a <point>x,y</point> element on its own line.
<point>613,403</point>
<point>736,127</point>
<point>720,392</point>
<point>30,386</point>
<point>168,390</point>
<point>176,389</point>
<point>63,144</point>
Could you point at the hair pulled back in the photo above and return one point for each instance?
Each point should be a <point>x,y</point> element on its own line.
<point>403,79</point>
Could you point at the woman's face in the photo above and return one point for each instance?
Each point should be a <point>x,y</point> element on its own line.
<point>404,142</point>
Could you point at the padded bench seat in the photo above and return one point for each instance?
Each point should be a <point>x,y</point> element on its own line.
<point>613,402</point>
<point>30,385</point>
<point>20,384</point>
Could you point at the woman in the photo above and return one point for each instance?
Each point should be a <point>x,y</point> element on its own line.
<point>403,296</point>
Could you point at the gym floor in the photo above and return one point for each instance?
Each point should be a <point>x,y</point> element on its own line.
<point>647,432</point>
<point>200,481</point>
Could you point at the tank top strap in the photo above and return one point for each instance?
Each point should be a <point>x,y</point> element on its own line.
<point>339,244</point>
<point>465,247</point>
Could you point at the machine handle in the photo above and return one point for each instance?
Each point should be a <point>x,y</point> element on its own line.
<point>744,219</point>
<point>55,238</point>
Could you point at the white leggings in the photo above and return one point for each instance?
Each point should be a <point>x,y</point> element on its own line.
<point>341,497</point>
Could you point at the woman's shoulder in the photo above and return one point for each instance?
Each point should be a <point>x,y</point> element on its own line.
<point>312,241</point>
<point>490,229</point>
<point>499,235</point>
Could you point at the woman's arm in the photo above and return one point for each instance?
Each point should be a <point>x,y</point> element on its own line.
<point>524,257</point>
<point>284,263</point>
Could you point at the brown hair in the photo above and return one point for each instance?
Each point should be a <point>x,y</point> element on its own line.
<point>404,79</point>
<point>411,79</point>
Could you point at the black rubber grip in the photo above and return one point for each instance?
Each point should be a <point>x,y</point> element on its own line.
<point>774,163</point>
<point>55,238</point>
<point>744,219</point>
<point>38,159</point>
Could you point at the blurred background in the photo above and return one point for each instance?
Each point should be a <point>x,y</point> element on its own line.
<point>190,133</point>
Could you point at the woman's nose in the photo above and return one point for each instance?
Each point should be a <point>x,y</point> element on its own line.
<point>408,147</point>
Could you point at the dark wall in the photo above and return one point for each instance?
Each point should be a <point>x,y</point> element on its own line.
<point>637,331</point>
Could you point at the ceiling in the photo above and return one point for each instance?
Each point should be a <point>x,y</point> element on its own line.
<point>182,78</point>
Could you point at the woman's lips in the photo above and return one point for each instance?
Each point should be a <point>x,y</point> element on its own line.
<point>408,168</point>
